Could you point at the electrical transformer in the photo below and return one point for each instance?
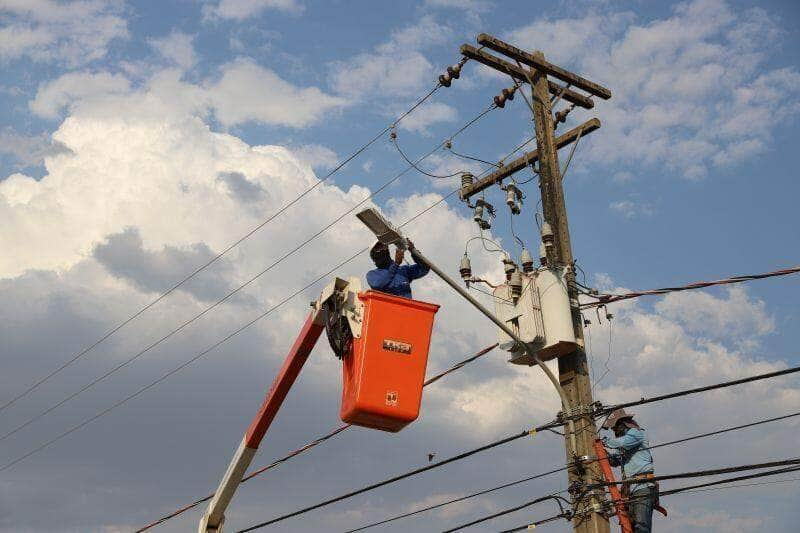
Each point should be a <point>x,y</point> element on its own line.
<point>539,314</point>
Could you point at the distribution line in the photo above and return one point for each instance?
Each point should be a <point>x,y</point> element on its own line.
<point>394,479</point>
<point>698,473</point>
<point>506,440</point>
<point>512,510</point>
<point>230,294</point>
<point>603,299</point>
<point>341,428</point>
<point>569,515</point>
<point>563,468</point>
<point>144,389</point>
<point>608,409</point>
<point>313,443</point>
<point>214,259</point>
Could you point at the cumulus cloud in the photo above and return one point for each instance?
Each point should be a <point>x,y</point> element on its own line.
<point>45,30</point>
<point>29,150</point>
<point>243,9</point>
<point>690,91</point>
<point>396,67</point>
<point>244,92</point>
<point>177,47</point>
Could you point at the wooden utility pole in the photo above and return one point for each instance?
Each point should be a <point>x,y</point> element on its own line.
<point>572,368</point>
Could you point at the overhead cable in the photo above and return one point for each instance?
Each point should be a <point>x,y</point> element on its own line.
<point>608,409</point>
<point>603,299</point>
<point>682,490</point>
<point>218,256</point>
<point>183,365</point>
<point>313,443</point>
<point>512,510</point>
<point>405,475</point>
<point>563,468</point>
<point>230,294</point>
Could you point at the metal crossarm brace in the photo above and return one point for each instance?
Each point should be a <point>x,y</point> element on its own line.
<point>543,66</point>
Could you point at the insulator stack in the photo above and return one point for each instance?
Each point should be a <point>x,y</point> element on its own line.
<point>467,179</point>
<point>465,269</point>
<point>515,284</point>
<point>527,260</point>
<point>505,95</point>
<point>453,73</point>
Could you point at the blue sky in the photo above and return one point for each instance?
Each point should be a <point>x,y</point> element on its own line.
<point>139,138</point>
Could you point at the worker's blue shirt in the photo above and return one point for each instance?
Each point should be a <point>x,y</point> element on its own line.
<point>632,452</point>
<point>396,279</point>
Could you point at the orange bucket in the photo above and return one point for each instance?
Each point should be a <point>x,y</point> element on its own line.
<point>385,370</point>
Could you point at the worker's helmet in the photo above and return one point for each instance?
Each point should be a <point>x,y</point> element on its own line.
<point>377,250</point>
<point>616,416</point>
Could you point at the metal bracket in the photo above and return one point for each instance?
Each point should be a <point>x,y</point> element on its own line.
<point>577,411</point>
<point>351,305</point>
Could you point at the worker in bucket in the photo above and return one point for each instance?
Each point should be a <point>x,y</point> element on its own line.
<point>393,277</point>
<point>630,449</point>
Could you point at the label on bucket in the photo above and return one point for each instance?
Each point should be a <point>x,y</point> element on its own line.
<point>396,346</point>
<point>391,397</point>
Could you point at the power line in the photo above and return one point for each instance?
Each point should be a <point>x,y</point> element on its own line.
<point>609,298</point>
<point>214,259</point>
<point>497,443</point>
<point>313,443</point>
<point>688,490</point>
<point>207,350</point>
<point>697,473</point>
<point>511,510</point>
<point>405,475</point>
<point>230,294</point>
<point>561,469</point>
<point>608,409</point>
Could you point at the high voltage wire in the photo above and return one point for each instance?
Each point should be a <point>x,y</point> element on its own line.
<point>230,294</point>
<point>687,490</point>
<point>207,350</point>
<point>610,298</point>
<point>563,468</point>
<point>315,442</point>
<point>342,428</point>
<point>505,440</point>
<point>699,473</point>
<point>214,259</point>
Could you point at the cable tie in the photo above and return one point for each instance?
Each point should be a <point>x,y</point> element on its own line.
<point>532,432</point>
<point>531,526</point>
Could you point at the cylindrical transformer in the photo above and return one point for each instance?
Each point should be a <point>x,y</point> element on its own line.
<point>556,313</point>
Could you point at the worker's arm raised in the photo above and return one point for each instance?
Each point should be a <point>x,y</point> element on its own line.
<point>382,278</point>
<point>630,440</point>
<point>419,268</point>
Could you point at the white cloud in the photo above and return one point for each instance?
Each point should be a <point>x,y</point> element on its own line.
<point>691,91</point>
<point>427,115</point>
<point>28,150</point>
<point>53,96</point>
<point>396,67</point>
<point>247,91</point>
<point>46,30</point>
<point>242,9</point>
<point>244,92</point>
<point>317,156</point>
<point>177,47</point>
<point>631,208</point>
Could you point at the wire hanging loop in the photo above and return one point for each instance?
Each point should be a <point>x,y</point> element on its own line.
<point>393,137</point>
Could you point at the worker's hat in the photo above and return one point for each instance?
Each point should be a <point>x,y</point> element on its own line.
<point>615,416</point>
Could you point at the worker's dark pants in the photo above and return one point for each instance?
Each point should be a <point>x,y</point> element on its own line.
<point>640,509</point>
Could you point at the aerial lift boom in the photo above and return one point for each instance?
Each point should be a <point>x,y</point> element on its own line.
<point>345,294</point>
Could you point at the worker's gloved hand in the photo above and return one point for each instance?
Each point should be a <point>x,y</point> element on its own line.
<point>410,245</point>
<point>398,256</point>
